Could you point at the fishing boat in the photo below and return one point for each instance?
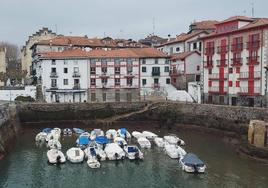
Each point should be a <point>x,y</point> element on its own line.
<point>114,152</point>
<point>78,131</point>
<point>122,132</point>
<point>174,151</point>
<point>159,142</point>
<point>120,141</point>
<point>111,134</point>
<point>192,164</point>
<point>75,155</point>
<point>133,152</point>
<point>82,141</point>
<point>149,135</point>
<point>67,131</point>
<point>95,133</point>
<point>172,139</point>
<point>144,143</point>
<point>137,134</point>
<point>100,154</point>
<point>41,137</point>
<point>55,156</point>
<point>92,158</point>
<point>54,144</point>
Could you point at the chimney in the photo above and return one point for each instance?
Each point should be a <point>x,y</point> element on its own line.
<point>169,37</point>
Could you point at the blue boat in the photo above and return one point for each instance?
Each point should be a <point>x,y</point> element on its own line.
<point>101,140</point>
<point>124,133</point>
<point>191,163</point>
<point>82,141</point>
<point>46,130</point>
<point>78,131</point>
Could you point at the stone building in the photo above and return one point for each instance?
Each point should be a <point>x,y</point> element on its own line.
<point>26,51</point>
<point>258,133</point>
<point>3,64</point>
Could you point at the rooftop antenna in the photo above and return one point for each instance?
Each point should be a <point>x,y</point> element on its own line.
<point>153,25</point>
<point>252,9</point>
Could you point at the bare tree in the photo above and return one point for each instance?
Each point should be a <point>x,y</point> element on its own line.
<point>12,50</point>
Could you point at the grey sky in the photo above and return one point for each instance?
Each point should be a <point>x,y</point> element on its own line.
<point>116,18</point>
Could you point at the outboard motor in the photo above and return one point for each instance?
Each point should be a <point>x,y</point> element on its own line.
<point>195,168</point>
<point>116,156</point>
<point>98,157</point>
<point>58,159</point>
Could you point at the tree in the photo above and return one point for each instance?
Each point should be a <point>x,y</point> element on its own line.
<point>12,50</point>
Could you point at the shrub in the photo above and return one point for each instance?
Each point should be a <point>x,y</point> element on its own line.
<point>24,99</point>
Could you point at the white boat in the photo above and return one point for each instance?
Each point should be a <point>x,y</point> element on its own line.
<point>55,156</point>
<point>174,151</point>
<point>111,134</point>
<point>56,131</point>
<point>92,162</point>
<point>100,154</point>
<point>174,140</point>
<point>95,133</point>
<point>159,142</point>
<point>149,135</point>
<point>133,152</point>
<point>75,155</point>
<point>144,143</point>
<point>114,152</point>
<point>87,134</point>
<point>122,132</point>
<point>53,135</point>
<point>192,164</point>
<point>120,141</point>
<point>67,131</point>
<point>137,134</point>
<point>41,137</point>
<point>54,144</point>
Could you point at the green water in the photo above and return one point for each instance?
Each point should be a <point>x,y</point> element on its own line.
<point>26,166</point>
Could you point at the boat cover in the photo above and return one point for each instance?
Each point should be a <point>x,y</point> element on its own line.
<point>123,131</point>
<point>78,131</point>
<point>101,140</point>
<point>46,130</point>
<point>191,159</point>
<point>83,140</point>
<point>132,149</point>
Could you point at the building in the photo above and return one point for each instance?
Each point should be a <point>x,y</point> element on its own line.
<point>185,67</point>
<point>205,25</point>
<point>26,51</point>
<point>3,65</point>
<point>153,40</point>
<point>235,61</point>
<point>78,75</point>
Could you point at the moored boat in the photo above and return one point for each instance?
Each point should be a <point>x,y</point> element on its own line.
<point>144,143</point>
<point>137,134</point>
<point>75,155</point>
<point>92,162</point>
<point>174,151</point>
<point>54,144</point>
<point>122,132</point>
<point>82,141</point>
<point>78,131</point>
<point>120,141</point>
<point>114,152</point>
<point>55,156</point>
<point>192,164</point>
<point>133,152</point>
<point>172,139</point>
<point>100,154</point>
<point>149,135</point>
<point>41,137</point>
<point>159,142</point>
<point>111,134</point>
<point>46,130</point>
<point>95,133</point>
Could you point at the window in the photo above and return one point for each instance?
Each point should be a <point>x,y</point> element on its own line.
<point>104,62</point>
<point>129,81</point>
<point>129,70</point>
<point>65,82</point>
<point>92,70</point>
<point>117,81</point>
<point>143,69</point>
<point>156,61</point>
<point>76,69</point>
<point>168,81</point>
<point>65,62</point>
<point>104,97</point>
<point>93,97</point>
<point>156,71</point>
<point>104,69</point>
<point>143,82</point>
<point>143,61</point>
<point>237,83</point>
<point>76,81</point>
<point>209,83</point>
<point>53,82</point>
<point>195,46</point>
<point>171,50</point>
<point>117,96</point>
<point>237,70</point>
<point>65,70</point>
<point>166,69</point>
<point>117,62</point>
<point>117,70</point>
<point>200,46</point>
<point>174,80</point>
<point>156,81</point>
<point>209,71</point>
<point>129,62</point>
<point>53,62</point>
<point>93,81</point>
<point>198,67</point>
<point>197,78</point>
<point>104,81</point>
<point>230,70</point>
<point>230,84</point>
<point>177,49</point>
<point>53,70</point>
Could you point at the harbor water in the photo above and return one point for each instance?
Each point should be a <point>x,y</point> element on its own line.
<point>26,166</point>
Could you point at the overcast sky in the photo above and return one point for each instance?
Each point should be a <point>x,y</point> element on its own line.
<point>115,18</point>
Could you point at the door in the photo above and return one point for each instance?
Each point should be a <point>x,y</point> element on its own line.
<point>251,102</point>
<point>234,101</point>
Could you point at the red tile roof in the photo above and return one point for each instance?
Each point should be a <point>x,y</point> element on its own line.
<point>118,53</point>
<point>206,24</point>
<point>237,18</point>
<point>183,55</point>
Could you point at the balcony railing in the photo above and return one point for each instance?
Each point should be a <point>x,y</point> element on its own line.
<point>247,75</point>
<point>53,75</point>
<point>254,60</point>
<point>253,45</point>
<point>216,76</point>
<point>54,86</point>
<point>222,49</point>
<point>237,47</point>
<point>210,50</point>
<point>217,89</point>
<point>104,74</point>
<point>237,62</point>
<point>76,75</point>
<point>76,86</point>
<point>156,73</point>
<point>222,62</point>
<point>208,64</point>
<point>246,91</point>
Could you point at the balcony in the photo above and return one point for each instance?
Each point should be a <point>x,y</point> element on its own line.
<point>129,75</point>
<point>176,72</point>
<point>222,49</point>
<point>208,64</point>
<point>76,87</point>
<point>156,86</point>
<point>216,76</point>
<point>54,86</point>
<point>104,75</point>
<point>209,50</point>
<point>254,60</point>
<point>247,75</point>
<point>237,47</point>
<point>253,45</point>
<point>237,62</point>
<point>246,91</point>
<point>53,75</point>
<point>222,63</point>
<point>156,73</point>
<point>76,75</point>
<point>218,90</point>
<point>104,85</point>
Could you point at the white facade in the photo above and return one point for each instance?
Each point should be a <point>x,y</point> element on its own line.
<point>12,94</point>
